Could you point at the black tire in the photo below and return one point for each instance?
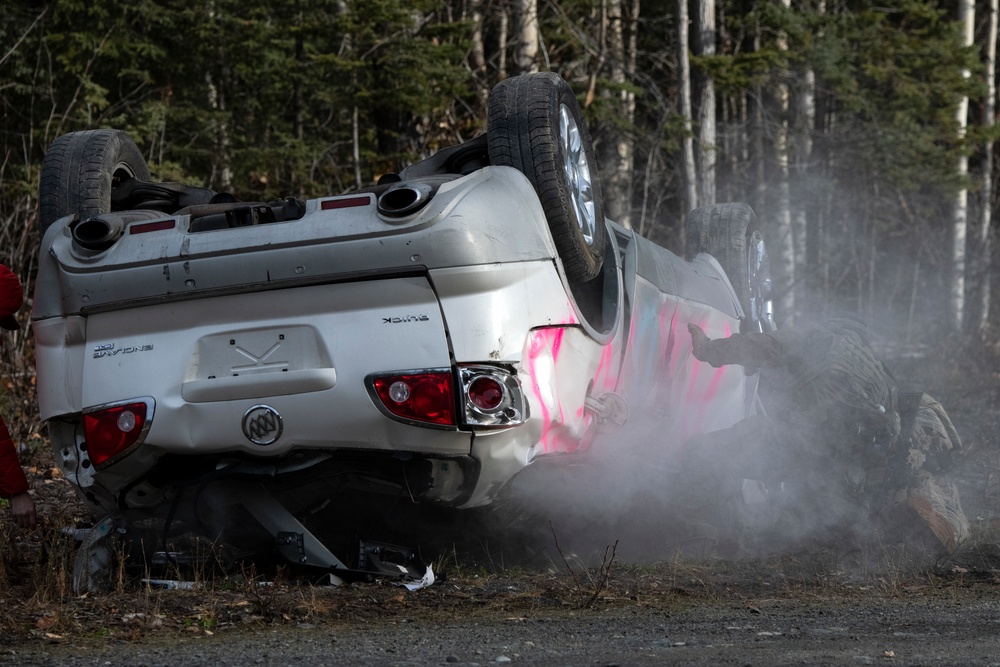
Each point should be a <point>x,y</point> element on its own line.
<point>526,132</point>
<point>730,233</point>
<point>81,171</point>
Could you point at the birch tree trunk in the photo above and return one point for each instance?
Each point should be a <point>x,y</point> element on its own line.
<point>626,145</point>
<point>755,144</point>
<point>356,147</point>
<point>526,49</point>
<point>704,45</point>
<point>298,93</point>
<point>503,34</point>
<point>782,236</point>
<point>804,207</point>
<point>621,141</point>
<point>222,172</point>
<point>809,268</point>
<point>986,216</point>
<point>477,55</point>
<point>684,77</point>
<point>966,17</point>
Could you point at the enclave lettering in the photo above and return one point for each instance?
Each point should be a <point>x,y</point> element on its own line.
<point>110,351</point>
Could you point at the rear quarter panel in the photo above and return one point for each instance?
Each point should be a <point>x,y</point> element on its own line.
<point>671,395</point>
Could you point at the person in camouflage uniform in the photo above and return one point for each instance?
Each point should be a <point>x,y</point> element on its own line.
<point>838,441</point>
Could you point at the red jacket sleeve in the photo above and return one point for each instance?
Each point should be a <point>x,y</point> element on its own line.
<point>12,479</point>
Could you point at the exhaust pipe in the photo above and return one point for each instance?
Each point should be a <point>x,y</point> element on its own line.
<point>404,199</point>
<point>98,233</point>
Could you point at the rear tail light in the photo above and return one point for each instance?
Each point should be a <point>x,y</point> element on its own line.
<point>488,397</point>
<point>492,397</point>
<point>113,430</point>
<point>486,393</point>
<point>426,397</point>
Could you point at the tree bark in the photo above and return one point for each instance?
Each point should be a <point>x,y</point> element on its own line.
<point>298,124</point>
<point>477,56</point>
<point>222,172</point>
<point>805,208</point>
<point>526,50</point>
<point>809,165</point>
<point>621,143</point>
<point>986,189</point>
<point>754,104</point>
<point>684,98</point>
<point>704,46</point>
<point>966,17</point>
<point>783,237</point>
<point>503,35</point>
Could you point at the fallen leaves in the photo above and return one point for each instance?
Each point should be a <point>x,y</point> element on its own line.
<point>46,622</point>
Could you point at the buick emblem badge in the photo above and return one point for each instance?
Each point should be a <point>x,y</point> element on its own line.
<point>262,425</point>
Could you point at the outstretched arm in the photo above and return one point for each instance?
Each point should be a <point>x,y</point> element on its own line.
<point>752,350</point>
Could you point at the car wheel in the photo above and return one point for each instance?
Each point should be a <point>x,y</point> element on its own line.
<point>81,171</point>
<point>536,126</point>
<point>730,233</point>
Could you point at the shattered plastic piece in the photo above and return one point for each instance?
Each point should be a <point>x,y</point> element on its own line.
<point>424,582</point>
<point>329,579</point>
<point>78,534</point>
<point>172,584</point>
<point>92,565</point>
<point>388,560</point>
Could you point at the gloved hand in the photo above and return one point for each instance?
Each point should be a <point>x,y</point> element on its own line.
<point>699,341</point>
<point>22,506</point>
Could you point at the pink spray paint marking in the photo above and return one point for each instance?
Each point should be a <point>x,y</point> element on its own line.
<point>675,353</point>
<point>535,349</point>
<point>556,436</point>
<point>542,358</point>
<point>604,377</point>
<point>673,349</point>
<point>699,399</point>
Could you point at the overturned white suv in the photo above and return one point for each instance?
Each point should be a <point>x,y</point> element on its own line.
<point>253,375</point>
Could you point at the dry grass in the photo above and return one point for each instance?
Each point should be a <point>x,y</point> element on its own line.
<point>38,604</point>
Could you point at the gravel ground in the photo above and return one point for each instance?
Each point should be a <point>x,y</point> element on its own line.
<point>912,629</point>
<point>801,608</point>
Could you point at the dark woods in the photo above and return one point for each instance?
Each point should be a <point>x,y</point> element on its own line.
<point>840,123</point>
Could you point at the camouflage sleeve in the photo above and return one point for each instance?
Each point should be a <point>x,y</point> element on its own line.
<point>934,445</point>
<point>753,350</point>
<point>921,502</point>
<point>929,494</point>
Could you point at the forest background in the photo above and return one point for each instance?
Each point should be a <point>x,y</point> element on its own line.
<point>861,132</point>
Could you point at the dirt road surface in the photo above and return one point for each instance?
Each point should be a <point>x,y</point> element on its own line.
<point>952,624</point>
<point>795,608</point>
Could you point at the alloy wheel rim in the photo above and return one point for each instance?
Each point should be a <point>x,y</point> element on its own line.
<point>577,169</point>
<point>759,279</point>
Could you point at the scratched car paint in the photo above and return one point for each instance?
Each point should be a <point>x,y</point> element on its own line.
<point>216,371</point>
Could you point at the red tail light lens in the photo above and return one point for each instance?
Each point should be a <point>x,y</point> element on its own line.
<point>427,397</point>
<point>486,393</point>
<point>492,397</point>
<point>114,430</point>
